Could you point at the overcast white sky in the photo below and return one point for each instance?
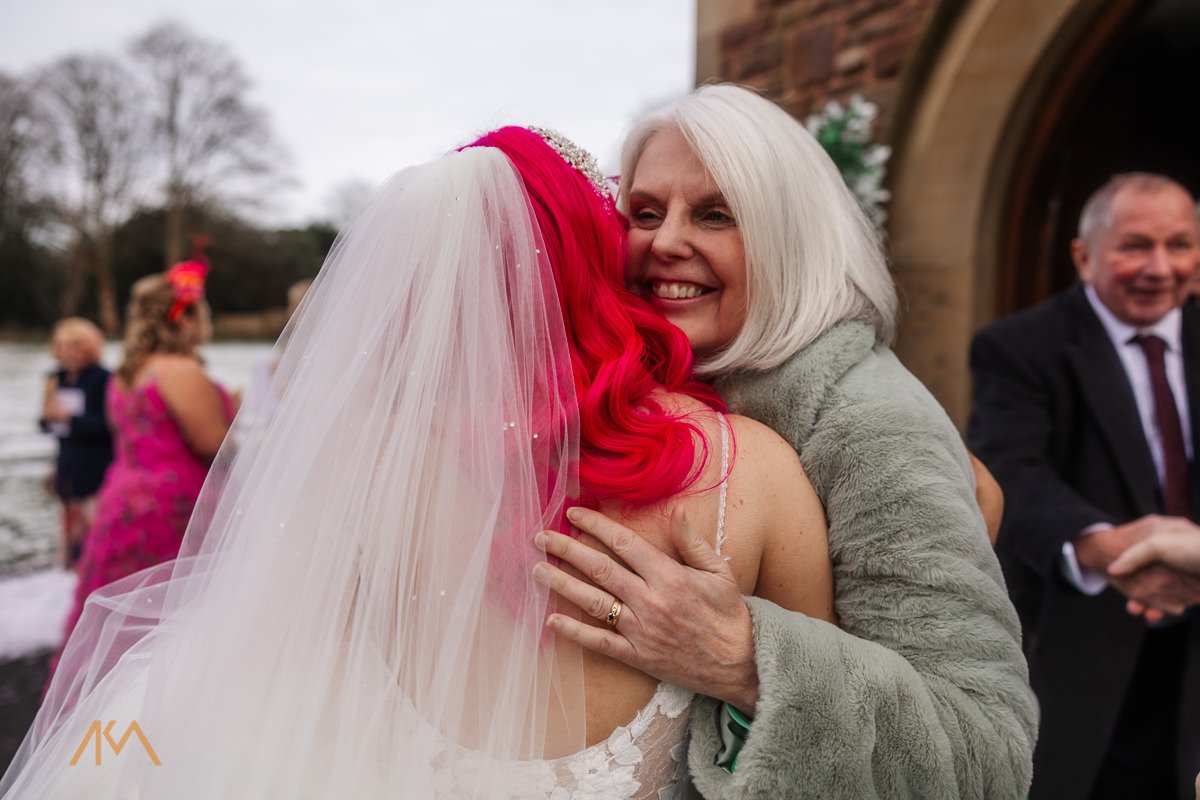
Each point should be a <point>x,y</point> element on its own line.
<point>358,89</point>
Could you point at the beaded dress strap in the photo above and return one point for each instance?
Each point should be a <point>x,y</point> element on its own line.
<point>724,481</point>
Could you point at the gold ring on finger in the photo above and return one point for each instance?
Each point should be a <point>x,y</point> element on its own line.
<point>614,613</point>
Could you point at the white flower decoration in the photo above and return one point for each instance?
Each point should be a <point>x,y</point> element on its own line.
<point>846,133</point>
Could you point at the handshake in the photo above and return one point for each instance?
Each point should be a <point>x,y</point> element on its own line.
<point>1154,561</point>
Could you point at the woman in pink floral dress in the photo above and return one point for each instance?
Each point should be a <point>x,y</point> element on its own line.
<point>168,420</point>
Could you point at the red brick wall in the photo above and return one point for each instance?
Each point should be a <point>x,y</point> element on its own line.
<point>804,52</point>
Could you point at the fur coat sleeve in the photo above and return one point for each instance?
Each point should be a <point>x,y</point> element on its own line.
<point>922,692</point>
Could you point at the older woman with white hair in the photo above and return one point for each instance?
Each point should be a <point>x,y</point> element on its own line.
<point>744,235</point>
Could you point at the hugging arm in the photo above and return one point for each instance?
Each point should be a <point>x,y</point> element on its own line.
<point>922,692</point>
<point>686,622</point>
<point>682,623</point>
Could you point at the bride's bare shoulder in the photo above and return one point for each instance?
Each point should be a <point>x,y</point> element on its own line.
<point>761,450</point>
<point>794,569</point>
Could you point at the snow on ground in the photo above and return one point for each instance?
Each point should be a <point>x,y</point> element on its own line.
<point>33,608</point>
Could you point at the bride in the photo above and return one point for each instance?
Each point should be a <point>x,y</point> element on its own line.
<point>352,612</point>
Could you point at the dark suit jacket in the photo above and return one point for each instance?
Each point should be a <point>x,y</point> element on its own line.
<point>85,453</point>
<point>1056,422</point>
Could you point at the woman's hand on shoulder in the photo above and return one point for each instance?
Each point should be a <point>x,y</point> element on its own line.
<point>195,404</point>
<point>684,623</point>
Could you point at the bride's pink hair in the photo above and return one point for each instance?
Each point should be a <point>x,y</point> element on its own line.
<point>632,449</point>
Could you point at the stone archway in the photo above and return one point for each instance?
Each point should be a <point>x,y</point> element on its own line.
<point>980,81</point>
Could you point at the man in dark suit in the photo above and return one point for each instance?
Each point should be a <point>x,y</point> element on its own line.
<point>1086,410</point>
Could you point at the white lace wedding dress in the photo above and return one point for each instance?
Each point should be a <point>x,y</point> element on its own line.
<point>643,760</point>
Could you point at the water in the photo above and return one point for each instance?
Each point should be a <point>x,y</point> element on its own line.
<point>28,511</point>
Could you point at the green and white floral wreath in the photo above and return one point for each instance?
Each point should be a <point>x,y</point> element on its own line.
<point>845,133</point>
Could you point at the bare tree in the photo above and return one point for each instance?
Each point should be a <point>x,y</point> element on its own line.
<point>98,116</point>
<point>25,149</point>
<point>16,141</point>
<point>216,147</point>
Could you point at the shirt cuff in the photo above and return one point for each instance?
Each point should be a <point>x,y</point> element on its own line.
<point>1085,580</point>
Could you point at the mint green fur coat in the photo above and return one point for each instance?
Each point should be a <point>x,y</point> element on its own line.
<point>922,692</point>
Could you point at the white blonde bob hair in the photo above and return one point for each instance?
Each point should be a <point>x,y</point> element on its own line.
<point>812,257</point>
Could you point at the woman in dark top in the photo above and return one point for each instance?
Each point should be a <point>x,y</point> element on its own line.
<point>74,411</point>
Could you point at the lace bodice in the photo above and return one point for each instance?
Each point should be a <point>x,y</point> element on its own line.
<point>643,760</point>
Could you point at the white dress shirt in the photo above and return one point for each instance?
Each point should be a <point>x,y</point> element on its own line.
<point>1137,370</point>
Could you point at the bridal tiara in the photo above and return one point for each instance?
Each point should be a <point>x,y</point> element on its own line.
<point>576,156</point>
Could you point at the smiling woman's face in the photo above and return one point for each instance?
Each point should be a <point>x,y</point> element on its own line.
<point>685,250</point>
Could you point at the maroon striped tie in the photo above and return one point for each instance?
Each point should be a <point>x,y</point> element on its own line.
<point>1166,414</point>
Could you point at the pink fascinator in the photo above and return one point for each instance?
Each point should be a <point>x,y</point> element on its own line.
<point>187,281</point>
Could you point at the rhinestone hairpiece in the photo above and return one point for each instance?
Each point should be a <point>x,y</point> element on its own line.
<point>576,156</point>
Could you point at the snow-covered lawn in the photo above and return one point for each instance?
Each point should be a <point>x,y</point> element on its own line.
<point>33,608</point>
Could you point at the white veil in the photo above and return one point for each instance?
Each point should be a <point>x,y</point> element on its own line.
<point>352,613</point>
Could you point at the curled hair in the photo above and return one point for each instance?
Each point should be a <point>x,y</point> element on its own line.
<point>813,258</point>
<point>147,329</point>
<point>631,447</point>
